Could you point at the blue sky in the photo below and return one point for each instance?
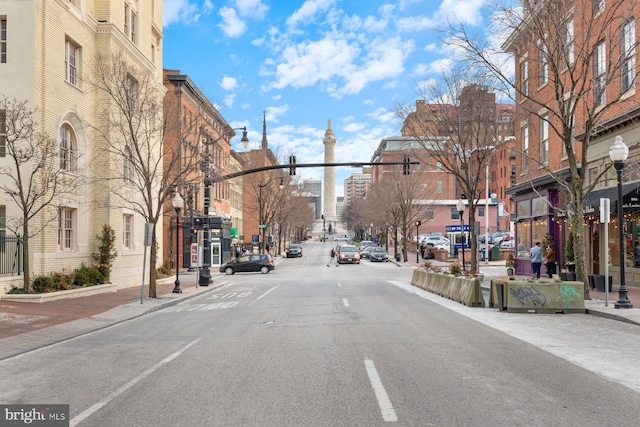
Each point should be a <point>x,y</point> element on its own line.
<point>304,62</point>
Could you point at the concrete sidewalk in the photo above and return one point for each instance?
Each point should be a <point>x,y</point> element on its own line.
<point>598,305</point>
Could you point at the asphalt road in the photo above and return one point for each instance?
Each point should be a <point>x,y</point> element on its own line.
<point>352,345</point>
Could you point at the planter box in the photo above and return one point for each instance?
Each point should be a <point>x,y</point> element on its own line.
<point>52,296</point>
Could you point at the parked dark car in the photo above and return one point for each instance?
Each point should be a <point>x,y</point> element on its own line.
<point>378,254</point>
<point>294,250</point>
<point>348,254</point>
<point>249,263</point>
<point>364,253</point>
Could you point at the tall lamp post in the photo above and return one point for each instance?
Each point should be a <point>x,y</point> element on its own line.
<point>418,223</point>
<point>205,273</point>
<point>177,203</point>
<point>460,207</point>
<point>618,153</point>
<point>262,225</point>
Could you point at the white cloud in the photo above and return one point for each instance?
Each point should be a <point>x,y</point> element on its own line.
<point>309,62</point>
<point>384,60</point>
<point>208,6</point>
<point>462,11</point>
<point>416,24</point>
<point>308,11</point>
<point>174,11</point>
<point>354,127</point>
<point>254,9</point>
<point>334,63</point>
<point>228,100</point>
<point>229,83</point>
<point>231,24</point>
<point>274,112</point>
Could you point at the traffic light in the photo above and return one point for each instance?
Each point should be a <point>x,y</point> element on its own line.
<point>194,231</point>
<point>292,163</point>
<point>405,165</point>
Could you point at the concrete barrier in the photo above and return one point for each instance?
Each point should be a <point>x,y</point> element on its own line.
<point>465,290</point>
<point>539,296</point>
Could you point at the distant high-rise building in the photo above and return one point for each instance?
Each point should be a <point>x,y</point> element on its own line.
<point>357,186</point>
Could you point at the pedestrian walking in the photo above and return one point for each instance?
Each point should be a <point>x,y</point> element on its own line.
<point>536,259</point>
<point>550,261</point>
<point>333,258</point>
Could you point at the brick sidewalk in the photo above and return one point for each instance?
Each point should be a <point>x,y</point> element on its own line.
<point>21,317</point>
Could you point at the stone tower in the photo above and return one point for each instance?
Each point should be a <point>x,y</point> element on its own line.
<point>329,201</point>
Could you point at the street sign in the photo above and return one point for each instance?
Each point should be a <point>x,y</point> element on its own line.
<point>262,226</point>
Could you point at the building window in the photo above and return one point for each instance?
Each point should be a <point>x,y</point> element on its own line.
<point>3,133</point>
<point>544,140</point>
<point>439,166</point>
<point>628,49</point>
<point>598,6</point>
<point>3,228</point>
<point>66,235</point>
<point>130,21</point>
<point>127,166</point>
<point>544,65</point>
<point>525,149</point>
<point>132,92</point>
<point>3,40</point>
<point>439,186</point>
<point>127,231</point>
<point>524,78</point>
<point>569,43</point>
<point>481,212</point>
<point>68,149</point>
<point>455,214</point>
<point>71,55</point>
<point>429,214</point>
<point>599,73</point>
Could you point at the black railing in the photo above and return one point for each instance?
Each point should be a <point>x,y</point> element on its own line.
<point>10,255</point>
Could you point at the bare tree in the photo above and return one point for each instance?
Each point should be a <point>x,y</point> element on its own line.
<point>36,174</point>
<point>397,200</point>
<point>294,215</point>
<point>461,137</point>
<point>583,84</point>
<point>132,134</point>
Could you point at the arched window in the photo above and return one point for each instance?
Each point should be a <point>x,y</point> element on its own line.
<point>68,149</point>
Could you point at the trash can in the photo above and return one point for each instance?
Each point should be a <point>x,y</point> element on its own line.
<point>398,256</point>
<point>494,253</point>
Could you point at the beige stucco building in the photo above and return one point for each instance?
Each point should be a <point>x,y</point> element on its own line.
<point>48,50</point>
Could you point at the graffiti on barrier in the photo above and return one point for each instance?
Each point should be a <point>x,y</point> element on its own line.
<point>528,295</point>
<point>568,293</point>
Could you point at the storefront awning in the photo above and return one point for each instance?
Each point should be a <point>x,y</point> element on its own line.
<point>630,197</point>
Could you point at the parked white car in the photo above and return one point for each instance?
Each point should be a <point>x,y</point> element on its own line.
<point>438,242</point>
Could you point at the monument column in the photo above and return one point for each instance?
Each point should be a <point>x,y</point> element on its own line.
<point>329,201</point>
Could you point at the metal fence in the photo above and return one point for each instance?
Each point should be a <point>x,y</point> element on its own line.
<point>10,255</point>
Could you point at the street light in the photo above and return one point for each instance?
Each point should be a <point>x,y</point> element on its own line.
<point>460,207</point>
<point>618,153</point>
<point>418,223</point>
<point>262,226</point>
<point>205,273</point>
<point>177,203</point>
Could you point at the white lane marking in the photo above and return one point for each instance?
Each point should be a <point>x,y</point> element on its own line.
<point>263,295</point>
<point>93,409</point>
<point>388,413</point>
<point>345,302</point>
